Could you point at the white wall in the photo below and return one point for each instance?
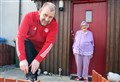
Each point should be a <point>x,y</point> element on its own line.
<point>9,15</point>
<point>9,19</point>
<point>0,17</point>
<point>27,6</point>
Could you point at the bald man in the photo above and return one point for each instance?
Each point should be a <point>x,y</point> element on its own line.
<point>35,38</point>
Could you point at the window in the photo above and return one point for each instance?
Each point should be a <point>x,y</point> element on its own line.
<point>88,16</point>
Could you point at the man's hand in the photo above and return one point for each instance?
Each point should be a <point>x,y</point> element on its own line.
<point>24,66</point>
<point>34,66</point>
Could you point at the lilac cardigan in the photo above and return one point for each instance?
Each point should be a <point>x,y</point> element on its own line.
<point>83,43</point>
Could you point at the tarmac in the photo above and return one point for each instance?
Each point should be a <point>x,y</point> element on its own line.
<point>16,73</point>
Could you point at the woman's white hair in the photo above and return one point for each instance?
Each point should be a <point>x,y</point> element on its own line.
<point>84,23</point>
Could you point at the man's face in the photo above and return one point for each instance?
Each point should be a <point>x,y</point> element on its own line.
<point>46,16</point>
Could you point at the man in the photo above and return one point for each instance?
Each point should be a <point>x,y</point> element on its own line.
<point>36,36</point>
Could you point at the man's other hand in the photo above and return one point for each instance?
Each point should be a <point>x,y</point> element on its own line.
<point>34,66</point>
<point>24,66</point>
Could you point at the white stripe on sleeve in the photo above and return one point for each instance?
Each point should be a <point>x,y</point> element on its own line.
<point>46,51</point>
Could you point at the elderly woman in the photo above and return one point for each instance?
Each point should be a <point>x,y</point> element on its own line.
<point>83,47</point>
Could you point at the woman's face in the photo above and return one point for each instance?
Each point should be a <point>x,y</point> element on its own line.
<point>84,28</point>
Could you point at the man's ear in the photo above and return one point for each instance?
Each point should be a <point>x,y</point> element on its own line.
<point>40,9</point>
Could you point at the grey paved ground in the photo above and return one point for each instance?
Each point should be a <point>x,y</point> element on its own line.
<point>13,72</point>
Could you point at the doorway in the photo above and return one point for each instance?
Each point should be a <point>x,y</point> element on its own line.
<point>96,16</point>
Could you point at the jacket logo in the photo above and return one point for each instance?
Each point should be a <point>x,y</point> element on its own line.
<point>46,29</point>
<point>35,28</point>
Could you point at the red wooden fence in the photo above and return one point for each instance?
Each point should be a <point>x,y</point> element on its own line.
<point>14,80</point>
<point>96,77</point>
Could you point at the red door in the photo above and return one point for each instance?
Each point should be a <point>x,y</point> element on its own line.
<point>96,14</point>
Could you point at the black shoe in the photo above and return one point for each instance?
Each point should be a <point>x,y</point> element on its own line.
<point>31,77</point>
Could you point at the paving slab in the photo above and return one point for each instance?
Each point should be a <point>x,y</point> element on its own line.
<point>17,74</point>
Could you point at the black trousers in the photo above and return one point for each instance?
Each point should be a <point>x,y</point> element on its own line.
<point>31,53</point>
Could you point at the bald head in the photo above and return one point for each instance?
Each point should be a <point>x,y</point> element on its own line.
<point>49,5</point>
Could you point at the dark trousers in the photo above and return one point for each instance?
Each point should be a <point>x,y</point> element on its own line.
<point>31,53</point>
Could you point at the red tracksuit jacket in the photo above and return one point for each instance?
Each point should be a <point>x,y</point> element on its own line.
<point>41,37</point>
